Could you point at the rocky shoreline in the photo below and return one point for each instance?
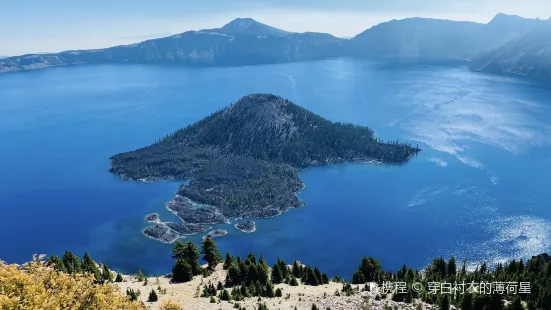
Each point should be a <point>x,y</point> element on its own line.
<point>234,173</point>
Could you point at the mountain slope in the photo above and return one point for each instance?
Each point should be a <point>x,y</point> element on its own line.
<point>241,42</point>
<point>423,38</point>
<point>507,43</point>
<point>501,29</point>
<point>413,38</point>
<point>242,161</point>
<point>528,55</point>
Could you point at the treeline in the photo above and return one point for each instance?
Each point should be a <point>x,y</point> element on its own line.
<point>72,264</point>
<point>253,277</point>
<point>249,277</point>
<point>507,277</point>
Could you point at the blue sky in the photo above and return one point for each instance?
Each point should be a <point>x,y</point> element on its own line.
<point>31,26</point>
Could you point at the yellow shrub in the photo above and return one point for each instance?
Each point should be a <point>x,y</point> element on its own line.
<point>169,305</point>
<point>37,286</point>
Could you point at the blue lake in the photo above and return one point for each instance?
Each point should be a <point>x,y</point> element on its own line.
<point>476,191</point>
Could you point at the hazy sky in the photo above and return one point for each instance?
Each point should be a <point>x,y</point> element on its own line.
<point>31,26</point>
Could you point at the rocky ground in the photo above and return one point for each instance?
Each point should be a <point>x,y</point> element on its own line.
<point>301,297</point>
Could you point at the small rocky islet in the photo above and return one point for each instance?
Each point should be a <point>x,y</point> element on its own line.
<point>246,226</point>
<point>161,232</point>
<point>152,218</point>
<point>215,233</point>
<point>244,161</point>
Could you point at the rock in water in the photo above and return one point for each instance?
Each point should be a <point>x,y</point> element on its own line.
<point>153,218</point>
<point>246,226</point>
<point>216,233</point>
<point>162,233</point>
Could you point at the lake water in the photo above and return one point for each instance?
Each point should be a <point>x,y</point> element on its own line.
<point>476,191</point>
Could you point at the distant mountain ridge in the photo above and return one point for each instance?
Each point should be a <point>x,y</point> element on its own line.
<point>247,26</point>
<point>526,55</point>
<point>506,44</point>
<point>240,42</point>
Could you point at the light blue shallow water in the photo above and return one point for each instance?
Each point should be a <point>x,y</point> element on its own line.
<point>478,190</point>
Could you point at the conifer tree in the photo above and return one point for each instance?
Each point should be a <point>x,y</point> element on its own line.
<point>262,262</point>
<point>106,274</point>
<point>276,274</point>
<point>182,271</point>
<point>119,277</point>
<point>233,276</point>
<point>251,258</point>
<point>252,274</point>
<point>188,251</point>
<point>451,268</point>
<point>270,290</point>
<point>153,296</point>
<point>228,261</point>
<point>283,269</point>
<point>358,277</point>
<point>445,302</point>
<point>258,291</point>
<point>325,278</point>
<point>71,262</point>
<point>467,302</point>
<point>409,297</point>
<point>263,274</point>
<point>243,291</point>
<point>89,266</point>
<point>293,281</point>
<point>317,273</point>
<point>57,263</point>
<point>210,253</point>
<point>133,294</point>
<point>310,277</point>
<point>296,270</point>
<point>140,275</point>
<point>224,295</point>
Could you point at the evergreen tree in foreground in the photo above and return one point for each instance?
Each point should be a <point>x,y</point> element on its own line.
<point>187,251</point>
<point>119,277</point>
<point>89,266</point>
<point>445,302</point>
<point>210,253</point>
<point>182,271</point>
<point>277,277</point>
<point>71,262</point>
<point>106,274</point>
<point>153,296</point>
<point>140,275</point>
<point>57,263</point>
<point>228,261</point>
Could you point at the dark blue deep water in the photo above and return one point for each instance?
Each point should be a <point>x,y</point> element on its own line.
<point>479,190</point>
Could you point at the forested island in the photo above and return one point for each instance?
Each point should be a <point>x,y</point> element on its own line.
<point>243,161</point>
